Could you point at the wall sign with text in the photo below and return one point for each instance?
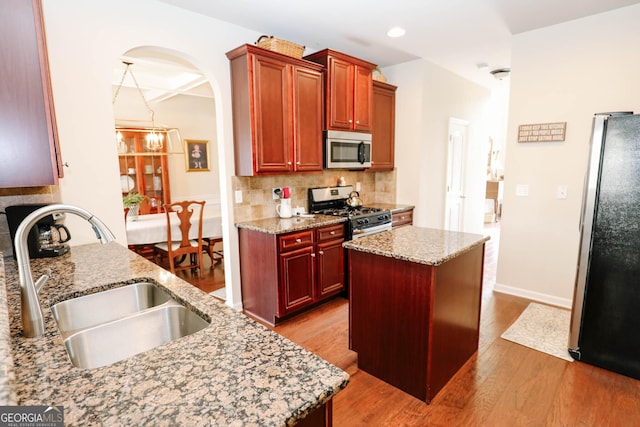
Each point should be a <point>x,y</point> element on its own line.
<point>544,132</point>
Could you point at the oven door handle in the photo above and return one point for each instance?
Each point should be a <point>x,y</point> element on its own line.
<point>363,232</point>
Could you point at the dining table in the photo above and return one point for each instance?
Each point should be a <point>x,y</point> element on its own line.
<point>152,228</point>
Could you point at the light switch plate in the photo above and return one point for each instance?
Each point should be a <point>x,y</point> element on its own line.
<point>522,190</point>
<point>561,193</point>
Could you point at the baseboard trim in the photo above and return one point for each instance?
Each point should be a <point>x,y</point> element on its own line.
<point>532,295</point>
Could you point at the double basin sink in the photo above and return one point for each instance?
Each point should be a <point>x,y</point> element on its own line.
<point>112,325</point>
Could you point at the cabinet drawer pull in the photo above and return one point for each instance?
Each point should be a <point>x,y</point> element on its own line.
<point>402,217</point>
<point>298,240</point>
<point>333,232</point>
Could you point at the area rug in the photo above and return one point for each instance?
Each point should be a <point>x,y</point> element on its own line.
<point>220,294</point>
<point>542,328</point>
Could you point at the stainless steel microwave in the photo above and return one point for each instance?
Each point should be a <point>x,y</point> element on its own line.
<point>347,150</point>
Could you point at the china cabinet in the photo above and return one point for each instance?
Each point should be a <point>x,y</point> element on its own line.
<point>143,170</point>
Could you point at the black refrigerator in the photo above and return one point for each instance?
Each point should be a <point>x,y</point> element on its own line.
<point>605,318</point>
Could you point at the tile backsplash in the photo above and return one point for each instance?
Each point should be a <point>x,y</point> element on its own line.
<point>17,196</point>
<point>257,200</point>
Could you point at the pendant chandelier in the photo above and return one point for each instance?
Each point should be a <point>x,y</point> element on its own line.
<point>155,137</point>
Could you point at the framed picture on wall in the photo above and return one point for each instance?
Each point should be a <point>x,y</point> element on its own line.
<point>196,155</point>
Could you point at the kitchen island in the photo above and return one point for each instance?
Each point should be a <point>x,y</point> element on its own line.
<point>233,372</point>
<point>414,305</point>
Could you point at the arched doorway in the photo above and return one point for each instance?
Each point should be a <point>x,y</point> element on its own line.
<point>181,98</point>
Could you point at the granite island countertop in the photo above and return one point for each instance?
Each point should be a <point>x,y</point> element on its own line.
<point>394,208</point>
<point>416,244</point>
<point>287,225</point>
<point>233,372</point>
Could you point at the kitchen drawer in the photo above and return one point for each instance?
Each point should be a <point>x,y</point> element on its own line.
<point>296,240</point>
<point>399,219</point>
<point>331,233</point>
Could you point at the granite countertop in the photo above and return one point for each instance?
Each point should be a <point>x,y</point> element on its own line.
<point>421,245</point>
<point>233,372</point>
<point>286,225</point>
<point>7,375</point>
<point>390,206</point>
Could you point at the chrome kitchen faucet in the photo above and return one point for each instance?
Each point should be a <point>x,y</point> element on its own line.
<point>30,310</point>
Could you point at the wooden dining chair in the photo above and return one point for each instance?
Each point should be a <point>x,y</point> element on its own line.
<point>209,248</point>
<point>182,246</point>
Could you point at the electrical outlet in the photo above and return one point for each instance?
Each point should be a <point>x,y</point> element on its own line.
<point>238,195</point>
<point>276,192</point>
<point>522,190</point>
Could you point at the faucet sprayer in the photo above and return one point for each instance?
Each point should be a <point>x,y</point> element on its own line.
<point>31,312</point>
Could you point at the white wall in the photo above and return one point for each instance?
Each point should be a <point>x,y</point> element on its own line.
<point>563,73</point>
<point>426,98</point>
<point>84,40</point>
<point>195,118</point>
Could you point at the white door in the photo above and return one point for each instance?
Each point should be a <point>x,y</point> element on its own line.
<point>454,207</point>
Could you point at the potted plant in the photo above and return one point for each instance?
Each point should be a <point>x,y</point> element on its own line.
<point>132,202</point>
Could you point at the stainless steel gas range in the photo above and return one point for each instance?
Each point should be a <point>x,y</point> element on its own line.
<point>363,221</point>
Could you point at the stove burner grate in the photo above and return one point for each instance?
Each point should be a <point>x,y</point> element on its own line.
<point>349,211</point>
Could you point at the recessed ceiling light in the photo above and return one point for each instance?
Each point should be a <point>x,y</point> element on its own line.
<point>396,32</point>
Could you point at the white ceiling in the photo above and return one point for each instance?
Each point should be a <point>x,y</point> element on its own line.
<point>457,35</point>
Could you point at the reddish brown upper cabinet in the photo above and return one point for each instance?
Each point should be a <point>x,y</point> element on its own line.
<point>277,109</point>
<point>383,129</point>
<point>29,150</point>
<point>349,90</point>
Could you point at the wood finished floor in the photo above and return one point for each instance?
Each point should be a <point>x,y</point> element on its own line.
<point>503,384</point>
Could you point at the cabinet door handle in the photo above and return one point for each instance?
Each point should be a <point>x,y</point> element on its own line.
<point>321,252</point>
<point>350,121</point>
<point>298,240</point>
<point>313,255</point>
<point>357,122</point>
<point>298,163</point>
<point>289,163</point>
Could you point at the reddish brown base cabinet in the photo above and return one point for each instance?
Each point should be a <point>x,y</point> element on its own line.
<point>282,274</point>
<point>321,417</point>
<point>414,325</point>
<point>402,218</point>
